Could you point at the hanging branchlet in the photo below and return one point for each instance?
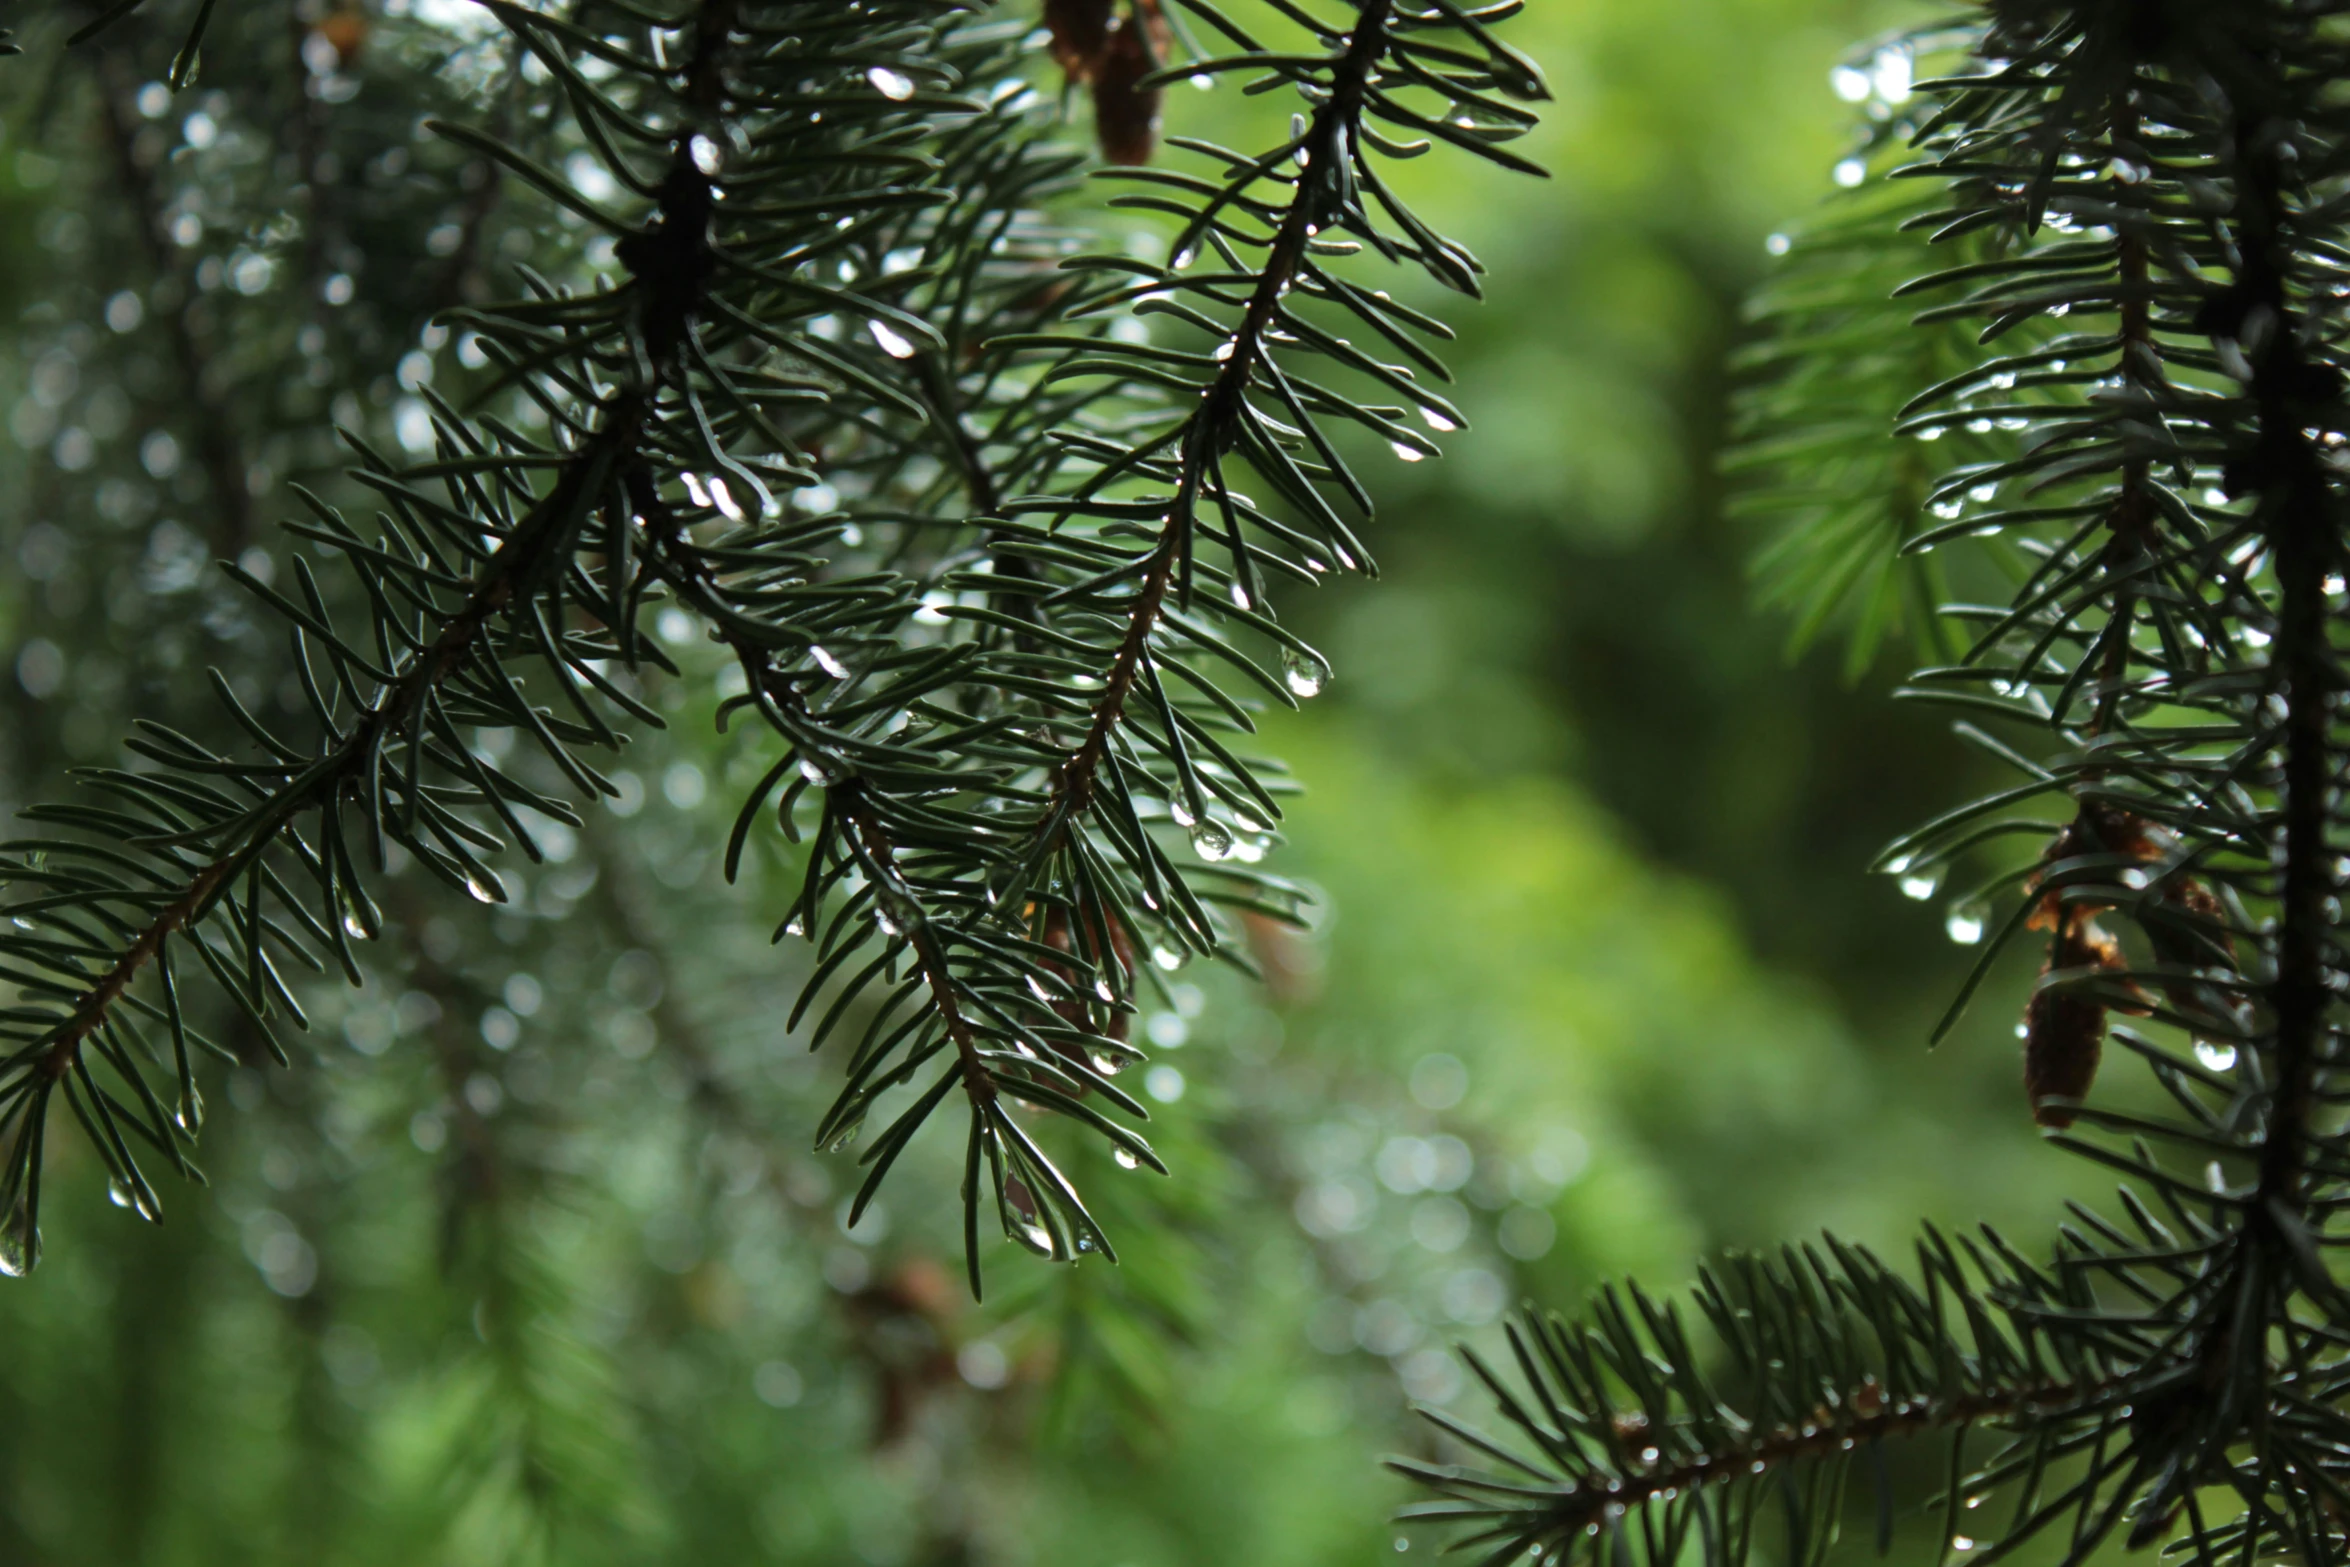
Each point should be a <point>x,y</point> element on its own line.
<point>2141,208</point>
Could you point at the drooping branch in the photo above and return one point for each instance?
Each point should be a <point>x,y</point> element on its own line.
<point>1207,432</point>
<point>672,272</point>
<point>544,536</point>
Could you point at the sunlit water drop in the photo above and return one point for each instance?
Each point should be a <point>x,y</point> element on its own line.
<point>893,85</point>
<point>20,1244</point>
<point>1211,840</point>
<point>1303,673</point>
<point>2219,1058</point>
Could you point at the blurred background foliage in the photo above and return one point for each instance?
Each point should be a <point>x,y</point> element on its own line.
<point>532,1259</point>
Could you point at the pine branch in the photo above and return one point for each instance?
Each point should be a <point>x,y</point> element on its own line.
<point>998,697</point>
<point>1209,431</point>
<point>2166,501</point>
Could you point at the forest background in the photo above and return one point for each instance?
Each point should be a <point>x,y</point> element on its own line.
<point>539,1260</point>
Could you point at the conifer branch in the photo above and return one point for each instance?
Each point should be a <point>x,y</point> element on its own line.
<point>1207,432</point>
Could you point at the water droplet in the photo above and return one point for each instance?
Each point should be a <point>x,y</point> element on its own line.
<point>1105,1063</point>
<point>841,1139</point>
<point>815,772</point>
<point>826,662</point>
<point>1407,453</point>
<point>1965,924</point>
<point>1035,1237</point>
<point>1211,839</point>
<point>352,927</point>
<point>694,489</point>
<point>20,1243</point>
<point>1126,1159</point>
<point>485,888</point>
<point>723,498</point>
<point>1922,884</point>
<point>892,342</point>
<point>795,926</point>
<point>1437,422</point>
<point>1303,672</point>
<point>118,1192</point>
<point>895,912</point>
<point>2220,1058</point>
<point>1224,351</point>
<point>706,154</point>
<point>1167,958</point>
<point>191,1111</point>
<point>1959,1542</point>
<point>1240,598</point>
<point>1182,814</point>
<point>893,85</point>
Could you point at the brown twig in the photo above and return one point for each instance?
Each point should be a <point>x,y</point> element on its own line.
<point>1205,433</point>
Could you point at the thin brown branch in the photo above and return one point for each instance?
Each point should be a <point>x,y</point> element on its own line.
<point>673,558</point>
<point>1207,432</point>
<point>1866,1415</point>
<point>318,784</point>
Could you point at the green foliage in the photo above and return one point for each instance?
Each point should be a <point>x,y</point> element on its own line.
<point>806,263</point>
<point>2157,305</point>
<point>294,1368</point>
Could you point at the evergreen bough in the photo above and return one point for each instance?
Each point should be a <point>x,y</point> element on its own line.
<point>2139,213</point>
<point>813,360</point>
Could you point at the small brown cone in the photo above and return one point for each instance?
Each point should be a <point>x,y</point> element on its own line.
<point>1126,114</point>
<point>1080,32</point>
<point>2064,1033</point>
